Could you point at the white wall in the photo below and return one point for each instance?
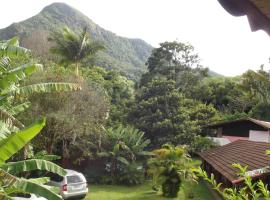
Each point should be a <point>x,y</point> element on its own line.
<point>259,136</point>
<point>220,141</point>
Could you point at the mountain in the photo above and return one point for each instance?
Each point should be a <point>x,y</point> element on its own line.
<point>123,54</point>
<point>215,74</point>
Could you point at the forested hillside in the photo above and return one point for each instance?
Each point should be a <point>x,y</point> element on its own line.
<point>123,54</point>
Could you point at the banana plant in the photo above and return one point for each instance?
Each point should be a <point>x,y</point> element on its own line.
<point>13,134</point>
<point>124,150</point>
<point>11,89</point>
<point>9,182</point>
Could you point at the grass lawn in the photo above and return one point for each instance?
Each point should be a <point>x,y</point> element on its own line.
<point>144,192</point>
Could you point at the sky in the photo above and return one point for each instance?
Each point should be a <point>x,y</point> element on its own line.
<point>224,43</point>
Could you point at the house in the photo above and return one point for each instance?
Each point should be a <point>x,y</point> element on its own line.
<point>247,153</point>
<point>241,129</point>
<point>257,12</point>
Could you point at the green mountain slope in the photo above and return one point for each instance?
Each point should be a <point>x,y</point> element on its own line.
<point>215,74</point>
<point>126,55</point>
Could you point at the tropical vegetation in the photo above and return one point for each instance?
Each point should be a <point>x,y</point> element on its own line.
<point>124,123</point>
<point>250,189</point>
<point>14,135</point>
<point>73,48</point>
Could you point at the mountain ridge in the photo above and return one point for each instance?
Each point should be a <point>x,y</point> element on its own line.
<point>127,55</point>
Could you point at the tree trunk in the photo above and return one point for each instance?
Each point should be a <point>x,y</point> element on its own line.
<point>26,151</point>
<point>77,68</point>
<point>64,154</point>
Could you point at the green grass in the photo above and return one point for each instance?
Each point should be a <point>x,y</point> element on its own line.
<point>144,192</point>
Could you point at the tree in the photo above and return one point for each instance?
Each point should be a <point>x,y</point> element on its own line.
<point>159,112</point>
<point>74,120</point>
<point>120,91</point>
<point>72,47</point>
<point>224,94</point>
<point>175,61</point>
<point>166,116</point>
<point>257,84</point>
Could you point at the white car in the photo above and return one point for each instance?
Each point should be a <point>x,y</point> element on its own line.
<point>72,185</point>
<point>28,197</point>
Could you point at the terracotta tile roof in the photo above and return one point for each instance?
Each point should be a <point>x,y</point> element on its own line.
<point>244,152</point>
<point>234,138</point>
<point>261,123</point>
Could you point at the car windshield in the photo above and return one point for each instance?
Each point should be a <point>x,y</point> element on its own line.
<point>74,179</point>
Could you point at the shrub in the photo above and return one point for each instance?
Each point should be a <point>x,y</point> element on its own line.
<point>124,151</point>
<point>201,144</point>
<point>131,174</point>
<point>168,168</point>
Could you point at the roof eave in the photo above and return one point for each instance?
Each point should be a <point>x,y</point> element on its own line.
<point>257,20</point>
<point>219,124</point>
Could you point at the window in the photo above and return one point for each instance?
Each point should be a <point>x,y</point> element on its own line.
<point>74,179</point>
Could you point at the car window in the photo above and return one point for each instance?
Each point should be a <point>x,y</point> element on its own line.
<point>74,179</point>
<point>22,195</point>
<point>55,177</point>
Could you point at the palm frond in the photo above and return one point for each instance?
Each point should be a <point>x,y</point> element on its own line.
<point>74,47</point>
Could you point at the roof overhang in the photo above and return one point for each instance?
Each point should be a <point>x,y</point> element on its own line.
<point>244,152</point>
<point>257,11</point>
<point>263,124</point>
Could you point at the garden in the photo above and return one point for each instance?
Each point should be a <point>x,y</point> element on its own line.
<point>114,192</point>
<point>131,139</point>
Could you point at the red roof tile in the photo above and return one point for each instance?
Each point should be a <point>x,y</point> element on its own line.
<point>244,152</point>
<point>234,138</point>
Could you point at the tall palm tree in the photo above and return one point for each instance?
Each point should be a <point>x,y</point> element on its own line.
<point>72,47</point>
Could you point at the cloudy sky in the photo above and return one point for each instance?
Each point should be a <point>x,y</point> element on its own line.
<point>225,43</point>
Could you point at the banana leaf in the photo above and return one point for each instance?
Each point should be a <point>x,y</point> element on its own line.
<point>27,186</point>
<point>32,164</point>
<point>16,141</point>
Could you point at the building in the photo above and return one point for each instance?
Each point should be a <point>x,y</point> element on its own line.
<point>247,153</point>
<point>241,129</point>
<point>257,12</point>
